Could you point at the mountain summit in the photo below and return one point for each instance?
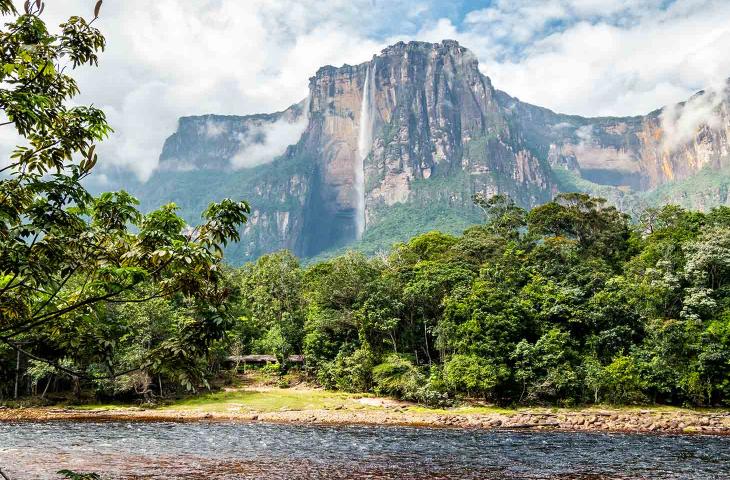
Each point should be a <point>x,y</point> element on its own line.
<point>398,145</point>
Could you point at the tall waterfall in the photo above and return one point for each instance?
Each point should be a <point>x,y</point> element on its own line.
<point>364,144</point>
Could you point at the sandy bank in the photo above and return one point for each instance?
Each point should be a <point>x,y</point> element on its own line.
<point>608,420</point>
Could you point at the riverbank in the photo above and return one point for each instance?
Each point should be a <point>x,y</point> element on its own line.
<point>314,406</point>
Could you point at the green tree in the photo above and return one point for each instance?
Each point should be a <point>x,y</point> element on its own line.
<point>472,375</point>
<point>64,254</point>
<point>503,216</point>
<point>623,382</point>
<point>272,299</point>
<point>545,369</point>
<point>598,228</point>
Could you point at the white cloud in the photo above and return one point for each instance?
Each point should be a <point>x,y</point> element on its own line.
<point>591,57</point>
<point>585,133</point>
<point>681,122</point>
<point>213,129</point>
<point>261,145</point>
<point>167,59</point>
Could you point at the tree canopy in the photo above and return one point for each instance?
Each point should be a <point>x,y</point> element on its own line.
<point>571,302</point>
<point>67,259</point>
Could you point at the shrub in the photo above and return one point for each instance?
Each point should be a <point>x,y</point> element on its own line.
<point>398,377</point>
<point>349,372</point>
<point>472,375</point>
<point>272,369</point>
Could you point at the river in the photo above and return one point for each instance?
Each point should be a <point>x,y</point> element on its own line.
<point>242,451</point>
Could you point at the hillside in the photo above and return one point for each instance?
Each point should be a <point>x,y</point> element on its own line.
<point>396,146</point>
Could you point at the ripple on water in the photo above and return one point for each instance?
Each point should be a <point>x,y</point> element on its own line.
<point>232,451</point>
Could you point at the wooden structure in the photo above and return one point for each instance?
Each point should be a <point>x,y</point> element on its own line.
<point>261,359</point>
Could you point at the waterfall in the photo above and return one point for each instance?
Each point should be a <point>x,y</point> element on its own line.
<point>364,144</point>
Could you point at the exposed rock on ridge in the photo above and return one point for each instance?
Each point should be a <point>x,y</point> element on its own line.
<point>435,116</point>
<point>440,133</point>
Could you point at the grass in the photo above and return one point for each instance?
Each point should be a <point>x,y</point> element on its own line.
<point>99,406</point>
<point>268,400</point>
<point>273,400</point>
<point>254,392</point>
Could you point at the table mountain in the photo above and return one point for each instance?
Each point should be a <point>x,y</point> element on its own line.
<point>398,145</point>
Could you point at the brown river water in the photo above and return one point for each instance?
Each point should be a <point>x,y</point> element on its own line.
<point>125,450</point>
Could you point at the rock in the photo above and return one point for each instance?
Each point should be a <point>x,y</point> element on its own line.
<point>432,115</point>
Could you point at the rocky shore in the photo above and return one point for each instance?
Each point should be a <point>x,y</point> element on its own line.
<point>608,420</point>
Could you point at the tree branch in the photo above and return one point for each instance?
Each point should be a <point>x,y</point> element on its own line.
<point>37,321</point>
<point>60,287</point>
<point>68,371</point>
<point>14,346</point>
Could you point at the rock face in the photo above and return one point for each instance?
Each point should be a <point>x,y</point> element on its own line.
<point>639,153</point>
<point>398,145</point>
<point>434,118</point>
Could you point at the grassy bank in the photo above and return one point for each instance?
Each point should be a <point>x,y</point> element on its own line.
<point>306,406</point>
<point>265,400</point>
<point>256,398</point>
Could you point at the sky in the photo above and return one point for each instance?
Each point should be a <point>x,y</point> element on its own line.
<point>171,58</point>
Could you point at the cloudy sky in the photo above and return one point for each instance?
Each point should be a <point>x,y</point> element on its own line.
<point>169,58</point>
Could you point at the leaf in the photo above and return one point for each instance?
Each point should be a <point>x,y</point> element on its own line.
<point>97,8</point>
<point>26,6</point>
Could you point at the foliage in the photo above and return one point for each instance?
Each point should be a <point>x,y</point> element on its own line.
<point>472,374</point>
<point>568,303</point>
<point>398,377</point>
<point>78,476</point>
<point>69,260</point>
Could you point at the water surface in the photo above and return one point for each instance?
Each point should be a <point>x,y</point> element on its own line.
<point>242,451</point>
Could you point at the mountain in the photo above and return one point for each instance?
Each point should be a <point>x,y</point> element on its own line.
<point>398,145</point>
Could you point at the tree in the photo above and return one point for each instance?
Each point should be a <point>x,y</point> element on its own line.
<point>271,297</point>
<point>380,314</point>
<point>545,368</point>
<point>598,228</point>
<point>593,376</point>
<point>502,215</point>
<point>64,254</point>
<point>622,380</point>
<point>472,375</point>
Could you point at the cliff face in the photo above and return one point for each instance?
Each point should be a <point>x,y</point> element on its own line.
<point>639,153</point>
<point>431,117</point>
<point>398,145</point>
<point>200,164</point>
